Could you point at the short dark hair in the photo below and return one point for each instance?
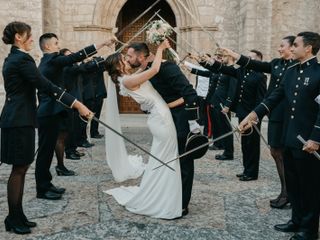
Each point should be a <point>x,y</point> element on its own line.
<point>140,47</point>
<point>290,39</point>
<point>312,39</point>
<point>258,53</point>
<point>44,37</point>
<point>12,28</point>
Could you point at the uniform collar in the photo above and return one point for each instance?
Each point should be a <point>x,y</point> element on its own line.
<point>15,48</point>
<point>308,62</point>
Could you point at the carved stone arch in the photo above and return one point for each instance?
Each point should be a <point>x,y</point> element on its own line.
<point>106,12</point>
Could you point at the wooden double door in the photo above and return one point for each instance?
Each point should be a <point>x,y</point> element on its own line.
<point>130,11</point>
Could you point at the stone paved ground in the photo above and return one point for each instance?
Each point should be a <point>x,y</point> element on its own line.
<point>221,207</point>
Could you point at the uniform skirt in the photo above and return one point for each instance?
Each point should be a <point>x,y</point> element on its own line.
<point>17,145</point>
<point>275,131</point>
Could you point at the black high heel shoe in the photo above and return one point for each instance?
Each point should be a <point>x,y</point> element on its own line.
<point>63,171</point>
<point>282,202</point>
<point>16,226</point>
<point>27,222</point>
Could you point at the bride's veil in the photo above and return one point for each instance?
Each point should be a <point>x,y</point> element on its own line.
<point>122,165</point>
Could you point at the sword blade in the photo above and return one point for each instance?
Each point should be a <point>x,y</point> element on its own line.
<point>136,19</point>
<point>262,137</point>
<point>230,123</point>
<point>189,44</point>
<point>201,146</point>
<point>130,141</point>
<point>200,25</point>
<point>144,27</point>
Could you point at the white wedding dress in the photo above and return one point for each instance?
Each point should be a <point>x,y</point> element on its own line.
<point>160,192</point>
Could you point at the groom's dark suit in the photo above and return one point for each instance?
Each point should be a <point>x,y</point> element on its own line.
<point>172,84</point>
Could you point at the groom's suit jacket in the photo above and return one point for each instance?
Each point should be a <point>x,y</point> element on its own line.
<point>172,84</point>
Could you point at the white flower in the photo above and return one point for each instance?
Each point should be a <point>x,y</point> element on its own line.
<point>158,31</point>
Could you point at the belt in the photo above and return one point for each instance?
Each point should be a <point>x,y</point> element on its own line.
<point>176,103</point>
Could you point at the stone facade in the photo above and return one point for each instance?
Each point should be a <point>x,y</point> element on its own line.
<point>237,24</point>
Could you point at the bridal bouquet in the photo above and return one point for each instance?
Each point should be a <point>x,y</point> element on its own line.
<point>157,32</point>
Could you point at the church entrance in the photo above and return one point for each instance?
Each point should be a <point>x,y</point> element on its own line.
<point>130,11</point>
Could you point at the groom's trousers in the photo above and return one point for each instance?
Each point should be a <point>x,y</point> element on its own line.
<point>180,119</point>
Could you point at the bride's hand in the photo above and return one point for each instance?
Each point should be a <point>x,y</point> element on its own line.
<point>165,44</point>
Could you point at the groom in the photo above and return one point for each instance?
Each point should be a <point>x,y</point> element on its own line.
<point>182,100</point>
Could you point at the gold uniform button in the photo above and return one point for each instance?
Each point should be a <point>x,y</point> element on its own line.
<point>294,101</point>
<point>293,109</point>
<point>55,94</point>
<point>295,93</point>
<point>292,117</point>
<point>299,78</point>
<point>239,100</point>
<point>277,85</point>
<point>301,71</point>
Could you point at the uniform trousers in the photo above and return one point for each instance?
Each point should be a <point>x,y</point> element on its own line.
<point>302,172</point>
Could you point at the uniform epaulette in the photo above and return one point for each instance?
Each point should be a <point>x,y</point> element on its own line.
<point>293,65</point>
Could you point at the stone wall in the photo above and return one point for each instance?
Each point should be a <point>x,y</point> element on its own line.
<point>20,10</point>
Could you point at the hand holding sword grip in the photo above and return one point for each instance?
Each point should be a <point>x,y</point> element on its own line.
<point>248,121</point>
<point>310,146</point>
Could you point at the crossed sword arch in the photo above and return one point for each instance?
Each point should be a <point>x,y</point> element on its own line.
<point>143,28</point>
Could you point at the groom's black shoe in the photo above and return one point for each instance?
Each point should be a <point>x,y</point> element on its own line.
<point>185,211</point>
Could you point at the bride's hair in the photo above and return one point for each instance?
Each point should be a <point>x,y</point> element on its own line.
<point>114,67</point>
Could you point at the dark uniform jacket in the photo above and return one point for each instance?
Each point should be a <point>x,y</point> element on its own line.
<point>300,87</point>
<point>21,78</point>
<point>172,84</point>
<point>73,76</point>
<point>250,87</point>
<point>92,80</point>
<point>276,68</point>
<point>222,88</point>
<point>51,66</point>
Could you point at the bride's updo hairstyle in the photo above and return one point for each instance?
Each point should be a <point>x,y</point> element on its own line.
<point>114,67</point>
<point>12,28</point>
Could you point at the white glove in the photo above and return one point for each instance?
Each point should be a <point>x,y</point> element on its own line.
<point>194,127</point>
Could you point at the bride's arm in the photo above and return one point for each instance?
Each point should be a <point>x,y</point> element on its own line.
<point>135,80</point>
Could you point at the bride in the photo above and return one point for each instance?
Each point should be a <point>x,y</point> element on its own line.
<point>160,192</point>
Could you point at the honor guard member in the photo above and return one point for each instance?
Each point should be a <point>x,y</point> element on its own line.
<point>50,113</point>
<point>222,93</point>
<point>73,81</point>
<point>90,80</point>
<point>251,88</point>
<point>203,77</point>
<point>100,93</point>
<point>300,88</point>
<point>276,67</point>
